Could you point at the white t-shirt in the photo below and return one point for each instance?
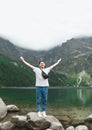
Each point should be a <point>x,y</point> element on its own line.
<point>40,81</point>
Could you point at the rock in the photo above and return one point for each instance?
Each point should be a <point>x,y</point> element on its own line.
<point>81,127</point>
<point>89,118</point>
<point>52,119</point>
<point>19,121</point>
<point>6,125</point>
<point>89,125</point>
<point>35,122</point>
<point>12,108</point>
<point>55,123</point>
<point>56,126</point>
<point>70,128</point>
<point>76,122</point>
<point>65,120</point>
<point>3,109</point>
<point>33,116</point>
<point>48,129</point>
<point>88,121</point>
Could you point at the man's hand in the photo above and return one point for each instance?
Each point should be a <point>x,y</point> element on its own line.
<point>21,58</point>
<point>59,60</point>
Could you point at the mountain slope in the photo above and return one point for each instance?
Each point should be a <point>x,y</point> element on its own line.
<point>16,74</point>
<point>13,73</point>
<point>76,57</point>
<point>8,49</point>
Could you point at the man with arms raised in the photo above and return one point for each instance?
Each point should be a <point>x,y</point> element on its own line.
<point>42,84</point>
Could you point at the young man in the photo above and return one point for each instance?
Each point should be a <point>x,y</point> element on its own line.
<point>41,85</point>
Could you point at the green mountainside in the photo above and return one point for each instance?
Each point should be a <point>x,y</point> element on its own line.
<point>16,74</point>
<point>74,70</point>
<point>13,73</point>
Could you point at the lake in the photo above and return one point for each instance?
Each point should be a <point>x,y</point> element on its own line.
<point>75,102</point>
<point>61,96</point>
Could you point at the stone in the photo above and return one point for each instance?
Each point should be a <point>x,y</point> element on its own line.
<point>65,120</point>
<point>19,121</point>
<point>56,126</point>
<point>12,108</point>
<point>6,125</point>
<point>76,122</point>
<point>55,123</point>
<point>81,127</point>
<point>89,118</point>
<point>70,128</point>
<point>35,122</point>
<point>3,109</point>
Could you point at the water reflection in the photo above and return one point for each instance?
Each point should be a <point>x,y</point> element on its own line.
<point>84,95</point>
<point>71,96</point>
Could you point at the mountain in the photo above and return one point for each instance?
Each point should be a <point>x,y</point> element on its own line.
<point>8,49</point>
<point>13,73</point>
<point>16,74</point>
<point>76,55</point>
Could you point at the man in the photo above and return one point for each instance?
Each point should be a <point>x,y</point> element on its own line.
<point>41,85</point>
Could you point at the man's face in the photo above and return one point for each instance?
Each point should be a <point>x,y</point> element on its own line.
<point>42,64</point>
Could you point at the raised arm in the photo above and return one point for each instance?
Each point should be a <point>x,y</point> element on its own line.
<point>25,62</point>
<point>52,66</point>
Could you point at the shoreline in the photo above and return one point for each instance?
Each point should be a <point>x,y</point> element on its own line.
<point>79,112</point>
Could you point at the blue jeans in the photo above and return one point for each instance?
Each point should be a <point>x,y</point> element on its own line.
<point>41,97</point>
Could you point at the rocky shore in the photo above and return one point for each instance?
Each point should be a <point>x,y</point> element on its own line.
<point>31,121</point>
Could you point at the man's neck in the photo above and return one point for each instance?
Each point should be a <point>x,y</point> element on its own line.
<point>41,67</point>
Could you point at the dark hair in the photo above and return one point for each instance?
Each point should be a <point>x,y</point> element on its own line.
<point>41,61</point>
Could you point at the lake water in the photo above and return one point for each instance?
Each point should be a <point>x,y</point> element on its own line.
<point>72,101</point>
<point>61,96</point>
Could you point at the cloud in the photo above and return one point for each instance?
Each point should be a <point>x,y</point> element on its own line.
<point>45,23</point>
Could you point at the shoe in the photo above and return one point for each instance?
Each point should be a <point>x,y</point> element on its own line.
<point>39,114</point>
<point>44,114</point>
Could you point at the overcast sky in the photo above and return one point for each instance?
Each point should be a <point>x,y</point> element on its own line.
<point>42,24</point>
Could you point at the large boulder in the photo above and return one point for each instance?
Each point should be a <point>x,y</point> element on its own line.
<point>3,109</point>
<point>35,122</point>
